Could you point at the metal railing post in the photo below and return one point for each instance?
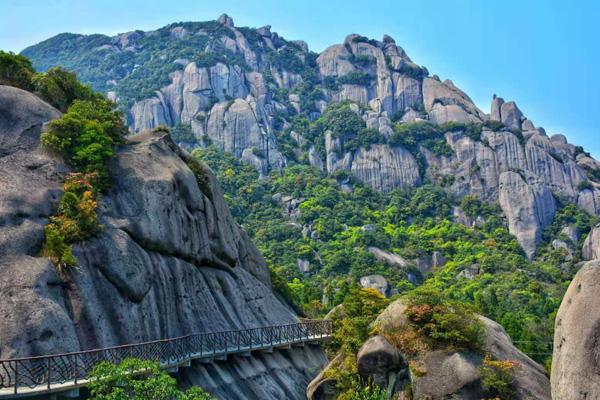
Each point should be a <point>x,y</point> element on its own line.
<point>48,369</point>
<point>16,376</point>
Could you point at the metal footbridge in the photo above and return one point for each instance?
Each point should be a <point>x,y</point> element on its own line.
<point>65,373</point>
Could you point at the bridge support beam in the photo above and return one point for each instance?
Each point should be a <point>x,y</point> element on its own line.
<point>222,357</point>
<point>267,350</point>
<point>204,360</point>
<point>172,370</point>
<point>69,394</point>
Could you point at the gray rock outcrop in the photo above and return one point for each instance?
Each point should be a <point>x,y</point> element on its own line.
<point>379,360</point>
<point>244,100</point>
<point>169,261</point>
<point>529,209</point>
<point>591,246</point>
<point>376,282</point>
<point>451,374</point>
<point>576,360</point>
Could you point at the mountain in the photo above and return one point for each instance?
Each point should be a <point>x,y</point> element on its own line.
<point>169,260</point>
<point>357,168</point>
<point>252,93</point>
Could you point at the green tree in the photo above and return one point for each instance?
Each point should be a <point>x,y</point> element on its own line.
<point>61,88</point>
<point>16,70</point>
<point>86,136</point>
<point>135,379</point>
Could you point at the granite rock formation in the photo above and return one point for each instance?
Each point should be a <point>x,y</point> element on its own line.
<point>169,261</point>
<point>576,360</point>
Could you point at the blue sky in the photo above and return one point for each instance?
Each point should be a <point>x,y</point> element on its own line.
<point>545,55</point>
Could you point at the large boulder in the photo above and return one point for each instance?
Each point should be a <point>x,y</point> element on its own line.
<point>576,358</point>
<point>31,180</point>
<point>379,360</point>
<point>376,282</point>
<point>445,102</point>
<point>529,208</point>
<point>591,246</point>
<point>451,374</point>
<point>323,386</point>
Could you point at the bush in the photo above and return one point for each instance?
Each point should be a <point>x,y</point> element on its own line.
<point>86,135</point>
<point>183,134</point>
<point>414,134</point>
<point>436,322</point>
<point>361,307</point>
<point>356,78</point>
<point>61,88</point>
<point>76,220</point>
<point>16,70</point>
<point>137,380</point>
<point>340,120</point>
<point>202,174</point>
<point>365,138</point>
<point>497,378</point>
<point>361,390</point>
<point>585,185</point>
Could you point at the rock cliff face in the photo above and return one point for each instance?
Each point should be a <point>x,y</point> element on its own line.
<point>169,261</point>
<point>244,91</point>
<point>576,359</point>
<point>456,375</point>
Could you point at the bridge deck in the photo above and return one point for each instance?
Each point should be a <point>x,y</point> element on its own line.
<point>58,373</point>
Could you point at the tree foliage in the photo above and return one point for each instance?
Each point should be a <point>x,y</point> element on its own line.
<point>16,70</point>
<point>134,379</point>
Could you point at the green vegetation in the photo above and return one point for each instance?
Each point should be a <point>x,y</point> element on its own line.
<point>356,78</point>
<point>497,378</point>
<point>436,322</point>
<point>350,330</point>
<point>135,73</point>
<point>134,379</point>
<point>85,136</point>
<point>61,88</point>
<point>183,134</point>
<point>521,295</point>
<point>57,86</point>
<point>16,70</point>
<point>76,220</point>
<point>414,134</point>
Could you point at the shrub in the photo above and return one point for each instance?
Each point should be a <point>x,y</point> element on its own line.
<point>339,119</point>
<point>584,185</point>
<point>61,88</point>
<point>436,322</point>
<point>137,380</point>
<point>86,135</point>
<point>16,70</point>
<point>494,125</point>
<point>76,220</point>
<point>497,378</point>
<point>362,390</point>
<point>202,174</point>
<point>356,78</point>
<point>361,307</point>
<point>365,138</point>
<point>411,135</point>
<point>182,133</point>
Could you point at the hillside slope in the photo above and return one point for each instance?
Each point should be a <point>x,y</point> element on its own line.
<point>264,99</point>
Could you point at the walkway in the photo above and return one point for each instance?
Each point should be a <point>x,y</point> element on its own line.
<point>60,373</point>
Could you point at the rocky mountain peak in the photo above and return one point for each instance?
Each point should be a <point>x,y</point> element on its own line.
<point>226,21</point>
<point>245,91</point>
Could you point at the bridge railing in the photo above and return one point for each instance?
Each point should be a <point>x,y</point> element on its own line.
<point>43,372</point>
